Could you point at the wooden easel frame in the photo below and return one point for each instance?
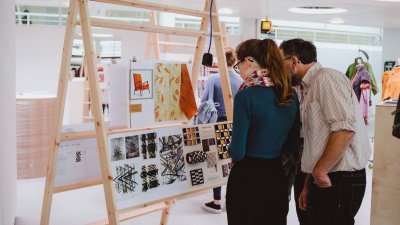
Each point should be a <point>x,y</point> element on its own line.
<point>153,42</point>
<point>101,133</point>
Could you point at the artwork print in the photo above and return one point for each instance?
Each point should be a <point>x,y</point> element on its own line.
<point>149,177</point>
<point>172,161</point>
<point>167,90</point>
<point>132,146</point>
<point>197,177</point>
<point>125,179</point>
<point>141,84</point>
<point>148,144</point>
<point>212,160</point>
<point>191,136</point>
<point>223,133</point>
<point>117,149</point>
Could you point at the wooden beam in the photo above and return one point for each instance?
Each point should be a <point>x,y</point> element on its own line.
<point>123,216</point>
<point>78,185</point>
<point>158,7</point>
<point>102,143</point>
<point>223,68</point>
<point>112,24</point>
<point>177,44</point>
<point>91,134</point>
<point>205,22</point>
<point>59,113</point>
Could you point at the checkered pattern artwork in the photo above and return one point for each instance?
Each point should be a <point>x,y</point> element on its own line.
<point>212,160</point>
<point>197,177</point>
<point>223,133</point>
<point>191,136</point>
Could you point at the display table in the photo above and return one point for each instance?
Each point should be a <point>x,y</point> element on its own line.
<point>385,208</point>
<point>35,117</point>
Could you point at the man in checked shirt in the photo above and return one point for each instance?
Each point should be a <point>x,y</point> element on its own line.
<point>336,146</point>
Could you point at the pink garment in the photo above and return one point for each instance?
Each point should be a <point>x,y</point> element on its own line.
<point>364,100</point>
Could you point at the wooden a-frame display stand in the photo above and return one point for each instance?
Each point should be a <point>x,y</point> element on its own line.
<point>101,134</point>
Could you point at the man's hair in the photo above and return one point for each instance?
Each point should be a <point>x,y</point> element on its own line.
<point>304,50</point>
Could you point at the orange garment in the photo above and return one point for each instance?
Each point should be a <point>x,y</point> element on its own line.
<point>385,77</point>
<point>187,101</point>
<point>392,87</point>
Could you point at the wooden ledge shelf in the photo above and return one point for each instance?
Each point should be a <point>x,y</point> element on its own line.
<point>91,134</point>
<point>95,22</point>
<point>158,7</point>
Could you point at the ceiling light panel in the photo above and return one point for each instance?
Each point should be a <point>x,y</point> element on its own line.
<point>317,10</point>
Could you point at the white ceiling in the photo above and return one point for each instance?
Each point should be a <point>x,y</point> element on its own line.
<point>360,12</point>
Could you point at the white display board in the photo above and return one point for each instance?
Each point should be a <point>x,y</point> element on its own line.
<point>158,164</point>
<point>150,165</point>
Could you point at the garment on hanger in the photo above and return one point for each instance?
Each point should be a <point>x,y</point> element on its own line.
<point>351,70</point>
<point>187,102</point>
<point>361,83</point>
<point>391,87</point>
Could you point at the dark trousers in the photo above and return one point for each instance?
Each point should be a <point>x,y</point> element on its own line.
<point>256,193</point>
<point>338,204</point>
<point>298,187</point>
<point>217,190</point>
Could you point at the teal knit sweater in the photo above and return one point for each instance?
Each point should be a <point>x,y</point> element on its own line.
<point>262,129</point>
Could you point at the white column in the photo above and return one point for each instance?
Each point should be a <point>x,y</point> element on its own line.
<point>8,157</point>
<point>248,29</point>
<point>390,47</point>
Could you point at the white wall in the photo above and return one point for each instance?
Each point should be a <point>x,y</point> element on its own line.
<point>8,157</point>
<point>38,58</point>
<point>39,49</point>
<point>391,46</point>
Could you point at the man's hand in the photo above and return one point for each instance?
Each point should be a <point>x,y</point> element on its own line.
<point>303,199</point>
<point>321,179</point>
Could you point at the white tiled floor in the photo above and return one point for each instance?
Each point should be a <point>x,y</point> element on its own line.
<point>87,205</point>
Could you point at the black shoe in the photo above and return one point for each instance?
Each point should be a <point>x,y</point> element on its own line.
<point>213,208</point>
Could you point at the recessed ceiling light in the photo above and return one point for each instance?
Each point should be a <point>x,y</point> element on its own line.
<point>225,11</point>
<point>387,0</point>
<point>317,10</point>
<point>337,20</point>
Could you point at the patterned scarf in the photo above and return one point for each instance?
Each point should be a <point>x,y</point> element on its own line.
<point>257,78</point>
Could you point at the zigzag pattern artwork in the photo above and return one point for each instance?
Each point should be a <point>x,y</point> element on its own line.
<point>149,177</point>
<point>125,179</point>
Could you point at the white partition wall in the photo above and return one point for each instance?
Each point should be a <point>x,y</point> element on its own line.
<point>8,157</point>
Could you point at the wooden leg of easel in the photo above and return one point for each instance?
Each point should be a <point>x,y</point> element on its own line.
<point>165,212</point>
<point>59,113</point>
<point>223,68</point>
<point>101,136</point>
<point>205,22</point>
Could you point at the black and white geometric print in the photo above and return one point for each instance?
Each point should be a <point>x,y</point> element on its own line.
<point>125,180</point>
<point>211,160</point>
<point>78,156</point>
<point>206,145</point>
<point>132,146</point>
<point>197,177</point>
<point>149,177</point>
<point>117,149</point>
<point>149,145</point>
<point>225,170</point>
<point>196,157</point>
<point>172,161</point>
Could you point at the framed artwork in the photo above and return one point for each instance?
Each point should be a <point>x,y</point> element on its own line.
<point>141,84</point>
